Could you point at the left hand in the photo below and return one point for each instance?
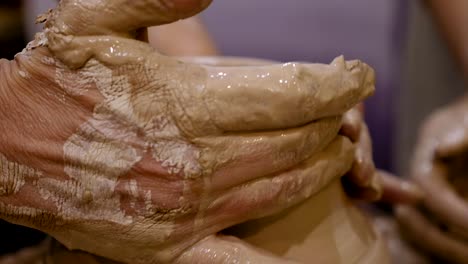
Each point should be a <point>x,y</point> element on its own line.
<point>364,181</point>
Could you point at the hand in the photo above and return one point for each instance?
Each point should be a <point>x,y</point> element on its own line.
<point>174,39</point>
<point>439,167</point>
<point>364,181</point>
<point>116,150</point>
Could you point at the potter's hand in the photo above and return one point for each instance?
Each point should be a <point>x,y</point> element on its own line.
<point>364,181</point>
<point>116,150</point>
<point>174,39</point>
<point>440,168</point>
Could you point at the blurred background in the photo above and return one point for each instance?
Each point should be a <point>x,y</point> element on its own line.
<point>398,38</point>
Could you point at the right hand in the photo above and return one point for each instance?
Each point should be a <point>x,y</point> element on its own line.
<point>116,150</point>
<point>440,169</point>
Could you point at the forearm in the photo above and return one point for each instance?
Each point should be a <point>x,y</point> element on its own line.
<point>452,20</point>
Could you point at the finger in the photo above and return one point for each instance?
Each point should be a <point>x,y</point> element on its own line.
<point>226,249</point>
<point>396,190</point>
<point>426,236</point>
<point>118,17</point>
<point>372,192</point>
<point>186,37</point>
<point>448,130</point>
<point>283,96</point>
<point>454,142</point>
<point>362,182</point>
<point>352,123</point>
<point>457,168</point>
<point>267,196</point>
<point>363,172</point>
<point>257,155</point>
<point>440,198</point>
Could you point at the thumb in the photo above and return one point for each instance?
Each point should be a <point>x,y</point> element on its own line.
<point>118,17</point>
<point>78,30</point>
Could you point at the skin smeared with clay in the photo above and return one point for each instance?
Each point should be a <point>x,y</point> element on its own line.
<point>142,158</point>
<point>14,176</point>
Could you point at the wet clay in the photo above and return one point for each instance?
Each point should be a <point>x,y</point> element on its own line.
<point>327,228</point>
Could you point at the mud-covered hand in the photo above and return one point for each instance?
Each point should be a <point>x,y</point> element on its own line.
<point>116,150</point>
<point>440,168</point>
<point>364,181</point>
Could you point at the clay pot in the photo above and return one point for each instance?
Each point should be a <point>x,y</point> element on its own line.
<point>327,228</point>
